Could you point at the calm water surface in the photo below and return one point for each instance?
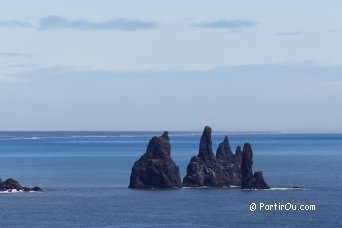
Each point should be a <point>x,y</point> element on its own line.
<point>85,177</point>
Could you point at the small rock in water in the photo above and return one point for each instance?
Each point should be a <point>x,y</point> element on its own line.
<point>10,185</point>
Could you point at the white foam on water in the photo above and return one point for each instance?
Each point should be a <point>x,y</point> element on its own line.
<point>284,189</point>
<point>11,191</point>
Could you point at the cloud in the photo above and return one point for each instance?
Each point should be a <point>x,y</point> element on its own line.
<point>295,33</point>
<point>14,24</point>
<point>56,22</point>
<point>233,25</point>
<point>15,54</point>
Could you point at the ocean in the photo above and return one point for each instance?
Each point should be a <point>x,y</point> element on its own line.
<point>85,177</point>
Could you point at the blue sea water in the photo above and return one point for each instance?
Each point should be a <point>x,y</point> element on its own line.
<point>85,177</point>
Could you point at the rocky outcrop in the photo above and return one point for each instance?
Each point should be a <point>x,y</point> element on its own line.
<point>238,152</point>
<point>11,184</point>
<point>224,152</point>
<point>155,168</point>
<point>205,148</point>
<point>250,180</point>
<point>260,183</point>
<point>202,169</point>
<point>1,185</point>
<point>207,170</point>
<point>230,163</point>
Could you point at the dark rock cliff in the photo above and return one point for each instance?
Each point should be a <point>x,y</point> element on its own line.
<point>250,180</point>
<point>155,168</point>
<point>207,170</point>
<point>230,163</point>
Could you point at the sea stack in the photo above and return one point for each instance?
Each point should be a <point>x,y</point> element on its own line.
<point>205,148</point>
<point>207,170</point>
<point>155,168</point>
<point>13,185</point>
<point>250,180</point>
<point>230,163</point>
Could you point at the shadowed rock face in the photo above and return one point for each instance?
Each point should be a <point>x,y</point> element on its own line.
<point>206,170</point>
<point>230,164</point>
<point>11,184</point>
<point>202,169</point>
<point>260,183</point>
<point>155,168</point>
<point>1,185</point>
<point>246,167</point>
<point>224,152</point>
<point>238,152</point>
<point>205,150</point>
<point>250,181</point>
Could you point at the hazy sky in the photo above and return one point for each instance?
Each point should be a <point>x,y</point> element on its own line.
<point>171,65</point>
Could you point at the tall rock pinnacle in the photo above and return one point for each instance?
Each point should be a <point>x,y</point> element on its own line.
<point>250,181</point>
<point>155,168</point>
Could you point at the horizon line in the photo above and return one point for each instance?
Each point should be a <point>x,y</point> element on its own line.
<point>187,131</point>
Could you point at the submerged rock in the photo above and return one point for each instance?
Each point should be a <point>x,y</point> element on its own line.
<point>207,170</point>
<point>250,180</point>
<point>11,184</point>
<point>155,168</point>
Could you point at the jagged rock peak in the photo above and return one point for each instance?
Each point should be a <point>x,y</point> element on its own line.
<point>206,170</point>
<point>246,167</point>
<point>259,181</point>
<point>238,153</point>
<point>250,181</point>
<point>155,168</point>
<point>224,151</point>
<point>165,135</point>
<point>238,150</point>
<point>159,147</point>
<point>205,149</point>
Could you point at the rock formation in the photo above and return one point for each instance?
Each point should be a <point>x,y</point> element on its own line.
<point>250,181</point>
<point>1,185</point>
<point>230,163</point>
<point>11,184</point>
<point>207,170</point>
<point>205,149</point>
<point>238,152</point>
<point>155,168</point>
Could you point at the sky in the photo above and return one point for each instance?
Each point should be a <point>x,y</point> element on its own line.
<point>171,65</point>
